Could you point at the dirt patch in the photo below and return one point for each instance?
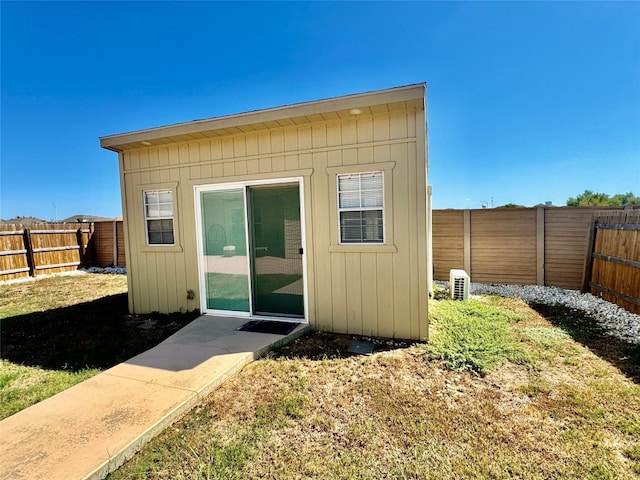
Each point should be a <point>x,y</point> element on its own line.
<point>324,346</point>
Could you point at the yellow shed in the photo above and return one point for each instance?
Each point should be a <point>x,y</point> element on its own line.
<point>316,212</point>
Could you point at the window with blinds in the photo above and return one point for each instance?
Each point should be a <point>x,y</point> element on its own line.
<point>361,207</point>
<point>158,213</point>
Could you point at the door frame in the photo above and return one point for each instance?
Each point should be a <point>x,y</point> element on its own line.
<point>244,185</point>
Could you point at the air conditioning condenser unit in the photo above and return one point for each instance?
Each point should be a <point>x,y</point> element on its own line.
<point>459,284</point>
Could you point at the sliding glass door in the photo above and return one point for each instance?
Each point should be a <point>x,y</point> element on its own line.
<point>276,250</point>
<point>252,250</point>
<point>226,264</point>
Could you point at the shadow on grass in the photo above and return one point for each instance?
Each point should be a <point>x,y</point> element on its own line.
<point>322,346</point>
<point>585,330</point>
<point>97,334</point>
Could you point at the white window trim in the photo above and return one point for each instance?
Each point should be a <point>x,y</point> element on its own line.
<point>165,217</point>
<point>359,209</point>
<point>140,223</point>
<point>388,246</point>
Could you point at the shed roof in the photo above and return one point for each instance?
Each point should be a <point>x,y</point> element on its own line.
<point>399,98</point>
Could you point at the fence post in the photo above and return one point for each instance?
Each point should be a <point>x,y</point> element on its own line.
<point>588,261</point>
<point>540,246</point>
<point>29,248</point>
<point>91,252</point>
<point>115,244</point>
<point>467,242</point>
<point>81,252</point>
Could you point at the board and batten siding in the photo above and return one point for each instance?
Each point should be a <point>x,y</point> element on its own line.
<point>365,290</point>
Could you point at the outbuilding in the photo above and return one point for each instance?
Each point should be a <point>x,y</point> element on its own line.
<point>316,212</point>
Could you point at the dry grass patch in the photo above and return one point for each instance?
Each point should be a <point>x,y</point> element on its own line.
<point>47,293</point>
<point>312,411</point>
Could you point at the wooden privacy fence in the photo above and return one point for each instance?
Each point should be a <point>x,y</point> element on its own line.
<point>525,246</point>
<point>613,269</point>
<point>59,247</point>
<point>107,244</point>
<point>42,248</point>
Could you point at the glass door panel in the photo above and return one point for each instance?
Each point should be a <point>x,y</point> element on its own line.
<point>276,255</point>
<point>226,265</point>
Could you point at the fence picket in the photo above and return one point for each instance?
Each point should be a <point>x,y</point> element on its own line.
<point>50,248</point>
<point>615,259</point>
<point>40,248</point>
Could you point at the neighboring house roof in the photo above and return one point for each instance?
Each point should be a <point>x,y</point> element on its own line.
<point>79,218</point>
<point>407,97</point>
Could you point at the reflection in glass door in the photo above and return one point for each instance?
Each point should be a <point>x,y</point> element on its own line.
<point>226,266</point>
<point>251,247</point>
<point>276,250</point>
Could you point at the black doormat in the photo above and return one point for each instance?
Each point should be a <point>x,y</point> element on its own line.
<point>268,326</point>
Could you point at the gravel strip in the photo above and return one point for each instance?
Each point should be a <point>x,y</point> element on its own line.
<point>614,320</point>
<point>112,270</point>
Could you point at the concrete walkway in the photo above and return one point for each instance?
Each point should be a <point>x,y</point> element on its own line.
<point>90,429</point>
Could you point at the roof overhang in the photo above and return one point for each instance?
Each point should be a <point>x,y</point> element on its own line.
<point>410,97</point>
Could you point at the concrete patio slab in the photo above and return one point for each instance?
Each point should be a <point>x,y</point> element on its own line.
<point>92,428</point>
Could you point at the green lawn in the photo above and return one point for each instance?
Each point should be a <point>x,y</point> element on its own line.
<point>58,331</point>
<point>23,385</point>
<point>60,291</point>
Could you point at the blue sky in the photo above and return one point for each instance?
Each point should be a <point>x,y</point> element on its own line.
<point>527,102</point>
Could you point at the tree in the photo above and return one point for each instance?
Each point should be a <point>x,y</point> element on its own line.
<point>625,199</point>
<point>511,205</point>
<point>591,199</point>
